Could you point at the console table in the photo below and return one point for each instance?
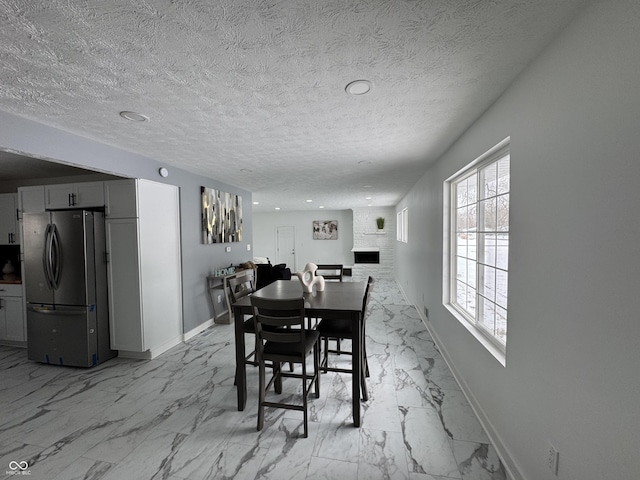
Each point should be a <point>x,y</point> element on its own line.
<point>218,288</point>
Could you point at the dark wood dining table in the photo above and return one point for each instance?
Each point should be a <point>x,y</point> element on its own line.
<point>337,298</point>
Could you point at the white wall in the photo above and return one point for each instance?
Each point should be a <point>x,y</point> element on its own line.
<point>307,249</point>
<point>573,360</point>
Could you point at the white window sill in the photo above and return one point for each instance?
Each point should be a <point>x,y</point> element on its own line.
<point>490,346</point>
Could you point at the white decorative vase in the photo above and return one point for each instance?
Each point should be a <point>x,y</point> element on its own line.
<point>8,271</point>
<point>308,278</point>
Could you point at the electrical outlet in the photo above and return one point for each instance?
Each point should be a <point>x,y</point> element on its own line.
<point>553,456</point>
<point>248,247</point>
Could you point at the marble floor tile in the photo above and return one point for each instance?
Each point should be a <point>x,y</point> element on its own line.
<point>326,469</point>
<point>175,417</point>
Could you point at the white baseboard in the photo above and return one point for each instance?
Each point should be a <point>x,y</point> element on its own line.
<point>198,330</point>
<point>510,466</point>
<point>153,352</point>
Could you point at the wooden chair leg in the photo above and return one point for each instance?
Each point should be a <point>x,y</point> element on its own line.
<point>304,399</point>
<point>316,367</point>
<point>261,395</point>
<point>277,385</point>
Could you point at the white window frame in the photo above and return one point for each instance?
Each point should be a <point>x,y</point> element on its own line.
<point>402,225</point>
<point>491,343</point>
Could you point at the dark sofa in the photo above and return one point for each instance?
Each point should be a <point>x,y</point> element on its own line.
<point>267,273</point>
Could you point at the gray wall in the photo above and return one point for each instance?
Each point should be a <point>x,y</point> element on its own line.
<point>573,361</point>
<point>307,249</point>
<point>198,260</point>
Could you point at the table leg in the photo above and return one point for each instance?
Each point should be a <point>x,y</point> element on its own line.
<point>356,358</point>
<point>241,372</point>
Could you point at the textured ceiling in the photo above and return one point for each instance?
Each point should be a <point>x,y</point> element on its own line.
<point>252,92</point>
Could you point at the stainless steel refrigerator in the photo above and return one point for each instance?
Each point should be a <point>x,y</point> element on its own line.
<point>65,275</point>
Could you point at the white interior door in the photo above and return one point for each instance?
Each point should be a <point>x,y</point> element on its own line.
<point>286,246</point>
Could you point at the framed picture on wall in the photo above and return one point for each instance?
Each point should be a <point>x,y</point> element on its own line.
<point>325,229</point>
<point>221,216</point>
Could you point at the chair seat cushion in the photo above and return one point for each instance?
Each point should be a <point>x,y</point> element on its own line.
<point>292,349</point>
<point>335,327</point>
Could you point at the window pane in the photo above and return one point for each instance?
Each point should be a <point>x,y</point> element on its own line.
<point>461,290</point>
<point>472,186</point>
<point>488,282</point>
<point>501,325</point>
<point>487,315</point>
<point>488,251</point>
<point>462,197</point>
<point>471,273</point>
<point>502,214</point>
<point>461,249</point>
<point>502,287</point>
<point>472,246</point>
<point>471,301</point>
<point>461,273</point>
<point>502,251</point>
<point>488,181</point>
<point>462,224</point>
<point>488,215</point>
<point>504,174</point>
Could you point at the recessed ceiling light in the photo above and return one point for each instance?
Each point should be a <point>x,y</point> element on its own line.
<point>256,203</point>
<point>277,208</point>
<point>358,87</point>
<point>134,116</point>
<point>321,206</point>
<point>367,198</point>
<point>309,201</point>
<point>367,186</point>
<point>246,170</point>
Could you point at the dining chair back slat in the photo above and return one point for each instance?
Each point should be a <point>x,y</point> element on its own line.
<point>331,271</point>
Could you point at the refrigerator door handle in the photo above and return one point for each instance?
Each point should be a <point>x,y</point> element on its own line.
<point>56,266</point>
<point>46,257</point>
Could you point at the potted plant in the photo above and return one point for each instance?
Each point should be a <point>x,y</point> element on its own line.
<point>380,223</point>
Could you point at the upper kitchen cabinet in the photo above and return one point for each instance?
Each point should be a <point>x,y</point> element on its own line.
<point>31,199</point>
<point>9,219</point>
<point>121,198</point>
<point>74,195</point>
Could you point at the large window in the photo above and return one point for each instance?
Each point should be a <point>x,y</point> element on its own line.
<point>479,244</point>
<point>402,226</point>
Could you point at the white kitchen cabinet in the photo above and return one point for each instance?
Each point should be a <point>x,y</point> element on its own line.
<point>121,199</point>
<point>74,195</point>
<point>144,268</point>
<point>9,219</point>
<point>12,320</point>
<point>31,199</point>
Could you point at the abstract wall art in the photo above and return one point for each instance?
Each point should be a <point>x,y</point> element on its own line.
<point>221,216</point>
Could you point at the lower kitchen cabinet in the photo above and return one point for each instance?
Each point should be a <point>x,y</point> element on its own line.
<point>12,321</point>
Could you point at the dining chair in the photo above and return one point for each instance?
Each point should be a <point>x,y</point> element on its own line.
<point>240,287</point>
<point>282,338</point>
<point>330,271</point>
<point>336,328</point>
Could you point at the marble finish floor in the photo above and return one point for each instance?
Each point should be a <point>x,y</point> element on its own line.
<point>175,417</point>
